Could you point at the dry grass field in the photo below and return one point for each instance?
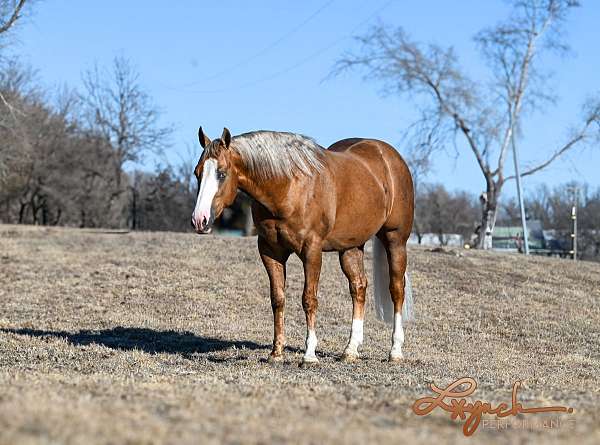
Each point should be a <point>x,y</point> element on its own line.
<point>162,338</point>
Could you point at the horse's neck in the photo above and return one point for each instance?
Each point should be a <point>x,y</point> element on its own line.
<point>267,192</point>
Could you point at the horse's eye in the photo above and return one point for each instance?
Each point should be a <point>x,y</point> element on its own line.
<point>221,175</point>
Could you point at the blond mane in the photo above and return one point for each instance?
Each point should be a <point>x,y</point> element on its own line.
<point>269,154</point>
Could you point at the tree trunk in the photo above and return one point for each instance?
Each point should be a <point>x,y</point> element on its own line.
<point>134,213</point>
<point>488,221</point>
<point>489,205</point>
<point>118,171</point>
<point>44,213</point>
<point>34,210</point>
<point>22,213</point>
<point>417,230</point>
<point>7,211</point>
<point>57,218</point>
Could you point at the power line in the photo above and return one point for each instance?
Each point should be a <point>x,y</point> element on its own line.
<point>298,63</point>
<point>265,49</point>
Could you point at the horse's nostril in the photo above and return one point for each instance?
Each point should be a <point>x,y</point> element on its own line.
<point>204,221</point>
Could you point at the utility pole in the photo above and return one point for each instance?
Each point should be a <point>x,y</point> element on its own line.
<point>520,196</point>
<point>573,251</point>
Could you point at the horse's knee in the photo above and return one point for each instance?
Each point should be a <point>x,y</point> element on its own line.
<point>277,300</point>
<point>310,303</point>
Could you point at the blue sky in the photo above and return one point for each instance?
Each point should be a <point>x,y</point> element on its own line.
<point>262,65</point>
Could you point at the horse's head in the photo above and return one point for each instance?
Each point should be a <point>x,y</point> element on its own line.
<point>217,180</point>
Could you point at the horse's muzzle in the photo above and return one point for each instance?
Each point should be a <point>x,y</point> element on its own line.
<point>202,225</point>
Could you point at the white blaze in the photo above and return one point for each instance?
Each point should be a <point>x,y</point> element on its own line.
<point>209,185</point>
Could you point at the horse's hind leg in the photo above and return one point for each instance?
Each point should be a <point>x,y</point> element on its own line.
<point>395,245</point>
<point>274,260</point>
<point>353,267</point>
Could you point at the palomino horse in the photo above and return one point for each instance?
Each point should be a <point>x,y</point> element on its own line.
<point>308,200</point>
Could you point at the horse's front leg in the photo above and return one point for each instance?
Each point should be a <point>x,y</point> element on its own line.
<point>353,267</point>
<point>274,259</point>
<point>311,260</point>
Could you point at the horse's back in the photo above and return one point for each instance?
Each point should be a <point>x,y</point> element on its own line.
<point>387,165</point>
<point>380,156</point>
<point>344,144</point>
<point>370,149</point>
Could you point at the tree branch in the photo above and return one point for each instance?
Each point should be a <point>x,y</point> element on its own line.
<point>558,153</point>
<point>592,117</point>
<point>467,132</point>
<point>13,18</point>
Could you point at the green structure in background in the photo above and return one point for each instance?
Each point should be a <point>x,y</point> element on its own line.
<point>511,238</point>
<point>541,242</point>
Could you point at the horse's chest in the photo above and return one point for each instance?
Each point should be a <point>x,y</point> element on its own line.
<point>280,233</point>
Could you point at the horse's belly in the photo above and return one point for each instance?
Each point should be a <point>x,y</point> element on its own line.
<point>342,238</point>
<point>360,212</point>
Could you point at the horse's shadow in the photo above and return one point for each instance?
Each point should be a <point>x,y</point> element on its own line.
<point>143,339</point>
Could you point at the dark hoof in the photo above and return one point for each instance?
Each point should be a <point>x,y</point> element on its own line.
<point>349,358</point>
<point>309,363</point>
<point>273,359</point>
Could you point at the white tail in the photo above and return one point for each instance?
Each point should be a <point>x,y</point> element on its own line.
<point>384,307</point>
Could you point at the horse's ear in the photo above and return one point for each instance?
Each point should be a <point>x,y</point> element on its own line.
<point>204,140</point>
<point>226,137</point>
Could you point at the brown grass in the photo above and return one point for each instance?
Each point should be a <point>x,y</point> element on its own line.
<point>161,338</point>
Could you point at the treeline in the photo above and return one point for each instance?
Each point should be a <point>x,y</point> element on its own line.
<point>440,211</point>
<point>64,159</point>
<point>552,207</point>
<point>62,155</point>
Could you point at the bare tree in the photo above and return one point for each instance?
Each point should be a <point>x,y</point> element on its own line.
<point>10,12</point>
<point>486,115</point>
<point>441,212</point>
<point>122,112</point>
<point>17,93</point>
<point>420,164</point>
<point>59,160</point>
